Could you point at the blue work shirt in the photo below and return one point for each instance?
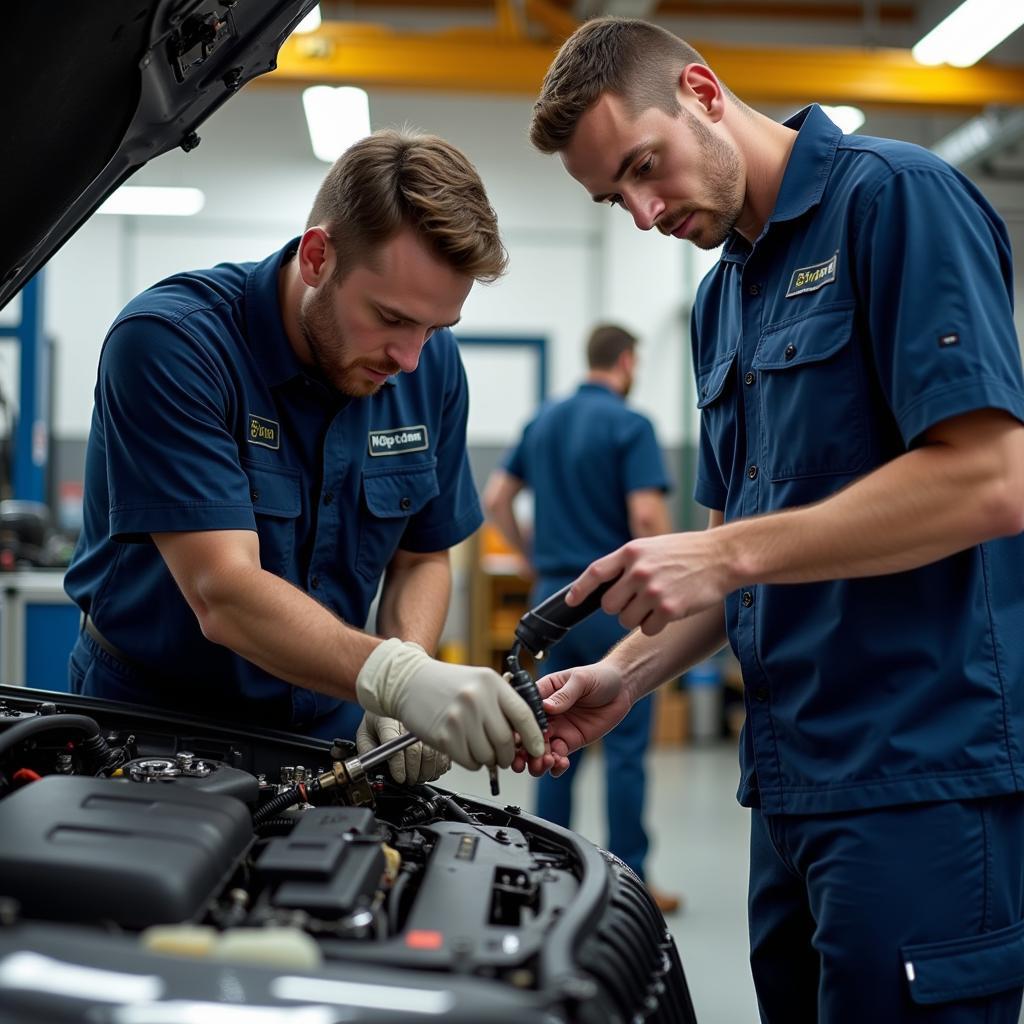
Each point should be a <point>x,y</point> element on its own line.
<point>876,303</point>
<point>206,420</point>
<point>581,457</point>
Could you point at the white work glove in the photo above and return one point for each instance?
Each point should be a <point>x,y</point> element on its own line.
<point>468,713</point>
<point>414,764</point>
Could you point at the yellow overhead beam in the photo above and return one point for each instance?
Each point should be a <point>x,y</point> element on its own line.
<point>484,60</point>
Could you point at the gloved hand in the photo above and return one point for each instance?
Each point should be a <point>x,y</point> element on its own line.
<point>469,713</point>
<point>414,764</point>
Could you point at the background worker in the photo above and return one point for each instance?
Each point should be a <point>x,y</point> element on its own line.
<point>862,455</point>
<point>272,440</point>
<point>597,477</point>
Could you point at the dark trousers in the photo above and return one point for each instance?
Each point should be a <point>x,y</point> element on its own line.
<point>624,747</point>
<point>897,914</point>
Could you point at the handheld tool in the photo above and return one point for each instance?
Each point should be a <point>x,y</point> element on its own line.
<point>537,631</point>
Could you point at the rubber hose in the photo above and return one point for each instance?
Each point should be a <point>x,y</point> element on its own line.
<point>94,747</point>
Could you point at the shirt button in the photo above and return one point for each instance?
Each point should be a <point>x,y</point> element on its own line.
<point>314,583</point>
<point>254,494</point>
<point>790,351</point>
<point>405,504</point>
<point>761,694</point>
<point>752,472</point>
<point>328,498</point>
<point>747,598</point>
<point>748,377</point>
<point>754,289</point>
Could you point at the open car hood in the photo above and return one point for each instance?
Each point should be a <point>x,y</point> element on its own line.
<point>95,90</point>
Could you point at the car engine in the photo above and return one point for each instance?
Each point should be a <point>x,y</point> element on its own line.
<point>152,866</point>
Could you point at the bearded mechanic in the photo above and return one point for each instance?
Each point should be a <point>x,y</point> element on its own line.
<point>272,440</point>
<point>862,457</point>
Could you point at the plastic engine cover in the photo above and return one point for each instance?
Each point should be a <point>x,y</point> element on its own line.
<point>78,848</point>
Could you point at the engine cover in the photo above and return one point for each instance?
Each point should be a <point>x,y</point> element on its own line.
<point>87,849</point>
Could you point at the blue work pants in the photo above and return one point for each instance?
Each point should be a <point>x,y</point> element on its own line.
<point>624,747</point>
<point>898,914</point>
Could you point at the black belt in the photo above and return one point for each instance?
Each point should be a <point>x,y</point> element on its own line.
<point>115,652</point>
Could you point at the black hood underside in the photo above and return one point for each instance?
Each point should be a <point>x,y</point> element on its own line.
<point>94,90</point>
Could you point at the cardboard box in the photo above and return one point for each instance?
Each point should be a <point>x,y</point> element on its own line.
<point>671,726</point>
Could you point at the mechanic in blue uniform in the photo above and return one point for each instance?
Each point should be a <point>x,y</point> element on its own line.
<point>598,479</point>
<point>862,455</point>
<point>596,472</point>
<point>273,440</point>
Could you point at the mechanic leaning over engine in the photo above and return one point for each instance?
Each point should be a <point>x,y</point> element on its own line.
<point>270,440</point>
<point>862,456</point>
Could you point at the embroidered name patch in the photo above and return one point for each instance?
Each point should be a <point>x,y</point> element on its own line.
<point>264,432</point>
<point>810,279</point>
<point>399,440</point>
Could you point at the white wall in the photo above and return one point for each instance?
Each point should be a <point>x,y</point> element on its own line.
<point>259,175</point>
<point>572,262</point>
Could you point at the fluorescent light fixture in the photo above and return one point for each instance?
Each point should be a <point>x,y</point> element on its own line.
<point>849,119</point>
<point>981,138</point>
<point>154,201</point>
<point>963,144</point>
<point>966,35</point>
<point>337,117</point>
<point>311,22</point>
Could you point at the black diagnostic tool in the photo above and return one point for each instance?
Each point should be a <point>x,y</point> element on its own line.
<point>546,624</point>
<point>538,630</point>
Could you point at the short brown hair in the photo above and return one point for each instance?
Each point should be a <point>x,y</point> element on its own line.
<point>634,60</point>
<point>396,179</point>
<point>606,343</point>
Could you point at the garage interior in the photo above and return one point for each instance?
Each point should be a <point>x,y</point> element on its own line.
<point>468,70</point>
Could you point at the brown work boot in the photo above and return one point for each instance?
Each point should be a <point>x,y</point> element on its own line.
<point>666,902</point>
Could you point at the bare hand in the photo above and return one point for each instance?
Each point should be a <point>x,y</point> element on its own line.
<point>661,579</point>
<point>582,705</point>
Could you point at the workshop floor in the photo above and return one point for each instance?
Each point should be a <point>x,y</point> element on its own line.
<point>699,838</point>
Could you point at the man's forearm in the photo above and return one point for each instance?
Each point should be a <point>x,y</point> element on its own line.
<point>414,599</point>
<point>508,526</point>
<point>498,498</point>
<point>646,662</point>
<point>267,621</point>
<point>923,506</point>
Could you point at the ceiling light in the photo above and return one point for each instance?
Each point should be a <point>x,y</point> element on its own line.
<point>849,119</point>
<point>967,34</point>
<point>311,22</point>
<point>962,144</point>
<point>154,201</point>
<point>981,138</point>
<point>337,117</point>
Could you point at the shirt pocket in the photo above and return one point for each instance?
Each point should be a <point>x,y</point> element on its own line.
<point>974,967</point>
<point>813,396</point>
<point>391,496</point>
<point>277,504</point>
<point>718,415</point>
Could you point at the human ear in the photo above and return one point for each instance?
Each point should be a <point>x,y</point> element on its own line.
<point>316,256</point>
<point>701,83</point>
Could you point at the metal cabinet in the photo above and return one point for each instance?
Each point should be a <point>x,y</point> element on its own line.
<point>38,627</point>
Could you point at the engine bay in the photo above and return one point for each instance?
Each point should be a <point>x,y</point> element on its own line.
<point>138,845</point>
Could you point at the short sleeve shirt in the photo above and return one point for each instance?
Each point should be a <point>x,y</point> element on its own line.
<point>582,456</point>
<point>205,420</point>
<point>876,303</point>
